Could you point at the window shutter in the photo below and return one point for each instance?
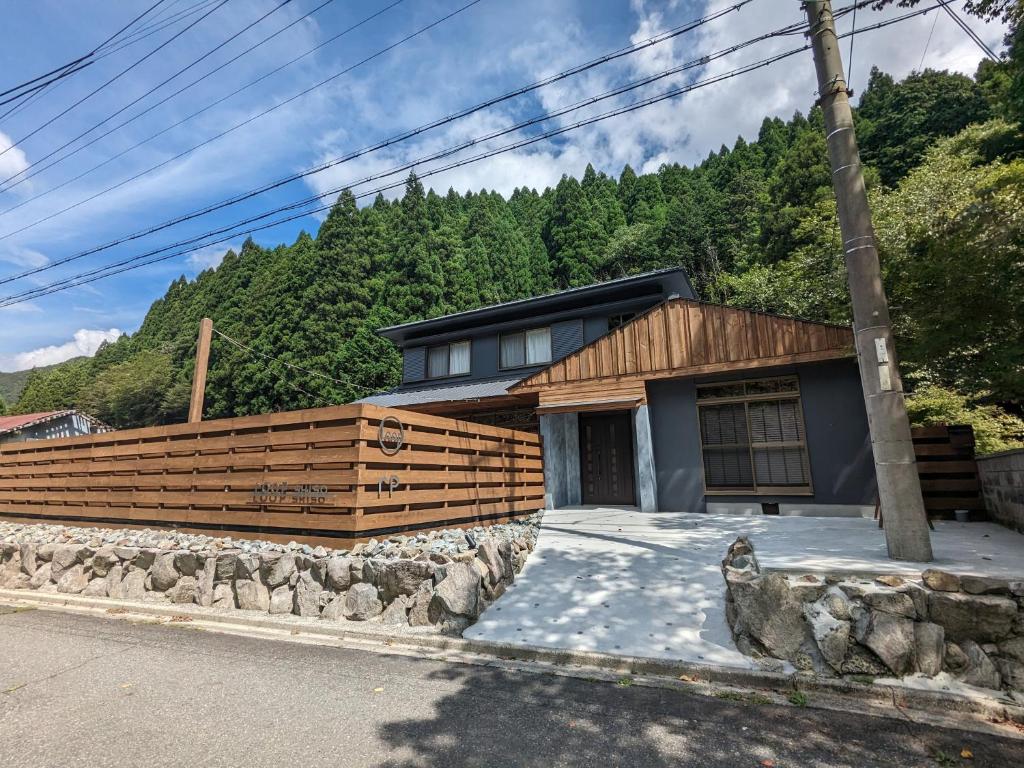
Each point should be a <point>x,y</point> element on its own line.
<point>414,364</point>
<point>566,338</point>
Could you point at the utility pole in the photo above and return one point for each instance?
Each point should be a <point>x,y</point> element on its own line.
<point>195,407</point>
<point>899,487</point>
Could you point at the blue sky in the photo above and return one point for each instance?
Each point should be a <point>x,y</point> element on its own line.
<point>484,51</point>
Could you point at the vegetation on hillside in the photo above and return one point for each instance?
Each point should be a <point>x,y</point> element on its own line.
<point>754,224</point>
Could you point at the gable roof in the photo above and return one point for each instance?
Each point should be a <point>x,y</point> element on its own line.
<point>657,283</point>
<point>684,337</point>
<point>23,420</point>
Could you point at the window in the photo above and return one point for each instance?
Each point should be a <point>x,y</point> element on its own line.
<point>618,320</point>
<point>526,348</point>
<point>448,360</point>
<point>752,437</point>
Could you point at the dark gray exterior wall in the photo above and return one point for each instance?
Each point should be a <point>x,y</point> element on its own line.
<point>838,445</point>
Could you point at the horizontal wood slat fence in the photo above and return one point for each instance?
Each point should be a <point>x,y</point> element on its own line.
<point>319,474</point>
<point>948,471</point>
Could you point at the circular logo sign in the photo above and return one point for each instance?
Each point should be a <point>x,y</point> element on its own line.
<point>391,435</point>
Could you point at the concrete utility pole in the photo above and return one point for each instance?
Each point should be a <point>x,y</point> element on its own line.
<point>899,488</point>
<point>195,407</point>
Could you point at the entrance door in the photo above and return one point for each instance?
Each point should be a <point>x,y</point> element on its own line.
<point>606,458</point>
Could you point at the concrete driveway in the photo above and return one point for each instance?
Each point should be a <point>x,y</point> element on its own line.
<point>621,581</point>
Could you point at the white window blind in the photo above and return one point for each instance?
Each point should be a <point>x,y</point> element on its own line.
<point>458,358</point>
<point>538,346</point>
<point>437,362</point>
<point>513,350</point>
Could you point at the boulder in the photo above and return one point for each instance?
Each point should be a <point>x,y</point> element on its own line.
<point>954,660</point>
<point>318,570</point>
<point>276,569</point>
<point>896,603</point>
<point>247,567</point>
<point>362,602</point>
<point>227,563</point>
<point>397,611</point>
<point>919,595</point>
<point>41,576</point>
<point>831,635</point>
<point>339,573</point>
<point>890,580</point>
<point>163,574</point>
<point>306,601</point>
<point>940,581</point>
<point>96,588</point>
<point>458,594</point>
<point>984,585</point>
<point>929,647</point>
<point>45,551</point>
<point>186,563</point>
<point>281,600</point>
<point>1011,672</point>
<point>184,591</point>
<point>403,577</point>
<point>104,560</point>
<point>127,554</point>
<point>1013,649</point>
<point>28,559</point>
<point>487,553</point>
<point>113,578</point>
<point>767,610</point>
<point>251,595</point>
<point>891,638</point>
<point>205,582</point>
<point>223,596</point>
<point>836,603</point>
<point>335,609</point>
<point>860,661</point>
<point>145,558</point>
<point>982,618</point>
<point>63,558</point>
<point>419,613</point>
<point>980,672</point>
<point>73,580</point>
<point>132,587</point>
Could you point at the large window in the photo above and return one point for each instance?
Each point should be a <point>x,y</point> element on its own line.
<point>752,437</point>
<point>526,348</point>
<point>448,360</point>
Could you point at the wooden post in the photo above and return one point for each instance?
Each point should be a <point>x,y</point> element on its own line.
<point>195,408</point>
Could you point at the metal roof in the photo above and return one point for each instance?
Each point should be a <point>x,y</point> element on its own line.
<point>20,421</point>
<point>588,294</point>
<point>471,390</point>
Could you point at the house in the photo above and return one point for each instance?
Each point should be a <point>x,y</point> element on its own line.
<point>48,425</point>
<point>646,396</point>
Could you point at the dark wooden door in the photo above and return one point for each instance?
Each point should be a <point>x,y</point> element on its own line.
<point>606,458</point>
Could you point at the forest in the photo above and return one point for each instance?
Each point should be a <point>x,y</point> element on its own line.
<point>754,224</point>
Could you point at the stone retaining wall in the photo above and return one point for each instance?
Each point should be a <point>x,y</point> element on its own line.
<point>1002,486</point>
<point>968,628</point>
<point>441,579</point>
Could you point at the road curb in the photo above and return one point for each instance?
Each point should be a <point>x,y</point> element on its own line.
<point>900,697</point>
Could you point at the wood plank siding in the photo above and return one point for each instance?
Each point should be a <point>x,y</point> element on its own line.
<point>682,337</point>
<point>312,474</point>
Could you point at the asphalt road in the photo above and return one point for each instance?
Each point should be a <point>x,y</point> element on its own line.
<point>99,692</point>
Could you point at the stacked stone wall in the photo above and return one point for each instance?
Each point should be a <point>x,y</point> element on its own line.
<point>967,628</point>
<point>439,579</point>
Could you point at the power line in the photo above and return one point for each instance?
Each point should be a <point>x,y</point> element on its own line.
<point>124,71</point>
<point>928,42</point>
<point>655,40</point>
<point>156,87</point>
<point>132,263</point>
<point>63,69</point>
<point>970,32</point>
<point>153,28</point>
<point>26,177</point>
<point>240,345</point>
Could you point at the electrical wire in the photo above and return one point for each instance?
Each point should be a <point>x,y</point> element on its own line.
<point>254,46</point>
<point>240,345</point>
<point>619,53</point>
<point>970,32</point>
<point>120,74</point>
<point>133,263</point>
<point>155,88</point>
<point>927,43</point>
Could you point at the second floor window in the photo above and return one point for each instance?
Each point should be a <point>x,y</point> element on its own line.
<point>526,348</point>
<point>448,360</point>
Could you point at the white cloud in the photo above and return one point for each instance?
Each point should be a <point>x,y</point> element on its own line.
<point>22,257</point>
<point>12,161</point>
<point>85,342</point>
<point>211,255</point>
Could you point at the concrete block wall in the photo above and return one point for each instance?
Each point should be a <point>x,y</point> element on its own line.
<point>1002,486</point>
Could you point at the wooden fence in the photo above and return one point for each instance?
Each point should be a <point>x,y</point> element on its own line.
<point>948,471</point>
<point>347,472</point>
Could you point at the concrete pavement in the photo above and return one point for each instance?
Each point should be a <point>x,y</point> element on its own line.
<point>92,691</point>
